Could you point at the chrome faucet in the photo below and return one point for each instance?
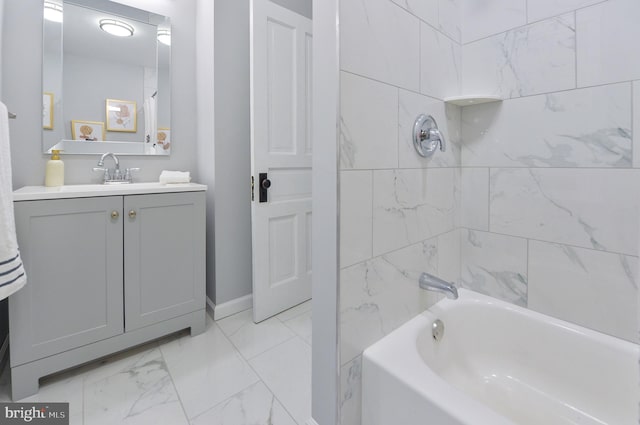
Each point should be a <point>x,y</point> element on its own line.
<point>432,283</point>
<point>114,175</point>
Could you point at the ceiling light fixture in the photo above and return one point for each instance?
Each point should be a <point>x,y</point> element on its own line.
<point>164,37</point>
<point>115,27</point>
<point>52,11</point>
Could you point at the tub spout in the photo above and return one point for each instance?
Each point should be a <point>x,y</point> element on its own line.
<point>432,283</point>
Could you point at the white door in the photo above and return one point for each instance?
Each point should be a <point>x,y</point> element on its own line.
<point>280,152</point>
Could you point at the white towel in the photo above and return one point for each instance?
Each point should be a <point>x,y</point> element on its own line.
<point>12,275</point>
<point>167,177</point>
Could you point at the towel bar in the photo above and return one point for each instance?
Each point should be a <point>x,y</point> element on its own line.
<point>12,116</point>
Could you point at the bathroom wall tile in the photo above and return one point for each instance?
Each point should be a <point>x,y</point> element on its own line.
<point>379,40</point>
<point>534,59</point>
<point>591,288</point>
<point>449,253</point>
<point>482,18</point>
<point>495,265</point>
<point>111,396</point>
<point>351,392</point>
<point>427,10</point>
<point>636,124</point>
<point>206,369</point>
<point>356,216</point>
<point>440,64</point>
<point>605,51</point>
<point>590,208</point>
<point>577,128</point>
<point>542,9</point>
<point>255,405</point>
<point>450,18</point>
<point>368,124</point>
<point>379,295</point>
<point>411,205</point>
<point>286,371</point>
<point>474,209</point>
<point>448,119</point>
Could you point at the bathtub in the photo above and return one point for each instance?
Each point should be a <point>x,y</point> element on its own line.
<point>498,364</point>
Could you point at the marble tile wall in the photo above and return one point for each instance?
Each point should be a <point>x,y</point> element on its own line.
<point>398,212</point>
<point>550,185</point>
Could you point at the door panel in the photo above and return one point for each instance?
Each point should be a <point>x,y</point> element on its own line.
<point>281,147</point>
<point>72,251</point>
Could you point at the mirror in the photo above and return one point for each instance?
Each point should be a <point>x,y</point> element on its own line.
<point>104,92</point>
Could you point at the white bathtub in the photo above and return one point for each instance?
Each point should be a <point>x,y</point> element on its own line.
<point>498,364</point>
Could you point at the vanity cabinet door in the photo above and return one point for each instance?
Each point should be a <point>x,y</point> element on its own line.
<point>72,252</point>
<point>164,253</point>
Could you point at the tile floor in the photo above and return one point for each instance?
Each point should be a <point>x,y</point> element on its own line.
<point>236,373</point>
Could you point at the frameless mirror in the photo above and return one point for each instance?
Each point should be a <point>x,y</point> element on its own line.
<point>106,79</point>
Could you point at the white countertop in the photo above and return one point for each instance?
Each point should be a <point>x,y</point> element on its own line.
<point>34,193</point>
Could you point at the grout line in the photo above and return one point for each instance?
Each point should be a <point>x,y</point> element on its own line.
<point>372,192</point>
<point>184,410</point>
<point>575,46</point>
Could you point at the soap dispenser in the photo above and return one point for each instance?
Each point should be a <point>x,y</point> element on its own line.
<point>54,173</point>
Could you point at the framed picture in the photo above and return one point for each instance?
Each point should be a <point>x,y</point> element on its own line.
<point>92,131</point>
<point>164,138</point>
<point>47,111</point>
<point>122,115</point>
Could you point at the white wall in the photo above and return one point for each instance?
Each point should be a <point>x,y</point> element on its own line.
<point>22,89</point>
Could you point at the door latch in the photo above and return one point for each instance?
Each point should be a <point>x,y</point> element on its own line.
<point>263,185</point>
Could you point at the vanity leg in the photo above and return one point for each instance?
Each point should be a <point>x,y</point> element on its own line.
<point>24,382</point>
<point>199,324</point>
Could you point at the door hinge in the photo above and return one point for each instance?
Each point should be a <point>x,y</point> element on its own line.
<point>252,190</point>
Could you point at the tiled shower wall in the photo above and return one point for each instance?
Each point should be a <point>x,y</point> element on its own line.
<point>399,213</point>
<point>536,200</point>
<point>550,196</point>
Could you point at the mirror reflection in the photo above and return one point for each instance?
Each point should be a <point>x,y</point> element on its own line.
<point>106,79</point>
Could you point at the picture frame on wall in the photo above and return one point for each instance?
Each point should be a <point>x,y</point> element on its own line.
<point>122,115</point>
<point>47,111</point>
<point>164,138</point>
<point>90,131</point>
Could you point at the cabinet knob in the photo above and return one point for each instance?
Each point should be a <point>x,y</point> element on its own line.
<point>115,214</point>
<point>132,214</point>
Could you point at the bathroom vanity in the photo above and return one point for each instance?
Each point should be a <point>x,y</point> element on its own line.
<point>108,268</point>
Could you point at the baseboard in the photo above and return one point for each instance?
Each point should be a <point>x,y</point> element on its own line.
<point>211,308</point>
<point>232,307</point>
<point>310,421</point>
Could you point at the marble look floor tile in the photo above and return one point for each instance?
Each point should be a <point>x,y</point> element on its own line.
<point>206,369</point>
<point>295,311</point>
<point>537,58</point>
<point>250,338</point>
<point>301,325</point>
<point>136,389</point>
<point>256,405</point>
<point>286,370</point>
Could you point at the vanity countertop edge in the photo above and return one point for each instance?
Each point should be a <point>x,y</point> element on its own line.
<point>36,193</point>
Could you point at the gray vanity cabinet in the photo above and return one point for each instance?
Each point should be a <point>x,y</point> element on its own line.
<point>72,252</point>
<point>163,257</point>
<point>104,274</point>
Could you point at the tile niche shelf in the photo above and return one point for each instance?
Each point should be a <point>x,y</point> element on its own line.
<point>472,99</point>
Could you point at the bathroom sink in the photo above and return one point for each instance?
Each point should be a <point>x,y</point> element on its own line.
<point>32,193</point>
